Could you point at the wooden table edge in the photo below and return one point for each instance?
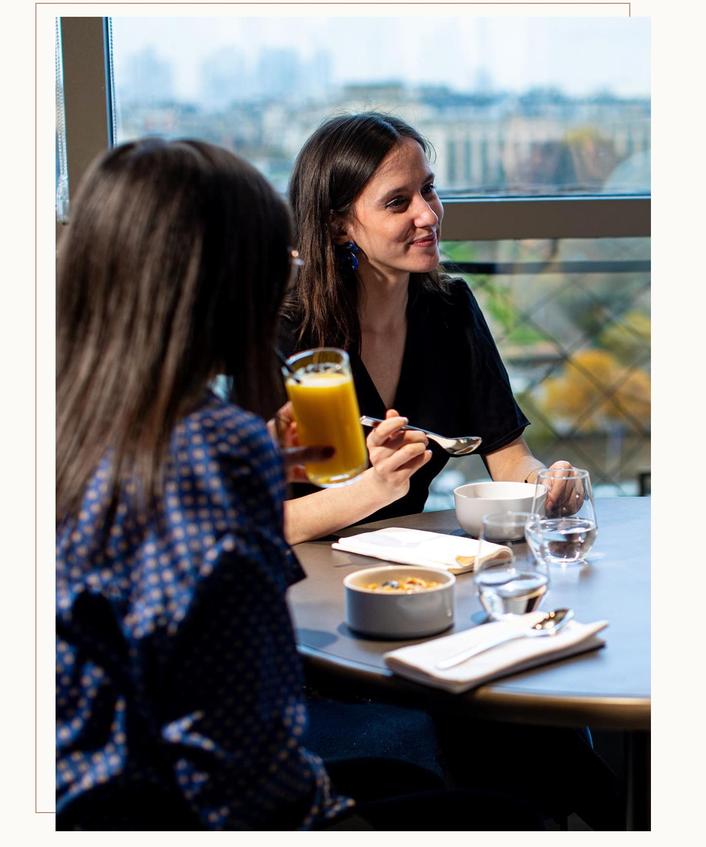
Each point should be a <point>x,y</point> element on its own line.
<point>488,701</point>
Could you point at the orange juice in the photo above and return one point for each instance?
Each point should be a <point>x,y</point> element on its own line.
<point>326,412</point>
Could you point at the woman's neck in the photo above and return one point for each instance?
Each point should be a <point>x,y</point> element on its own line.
<point>382,304</point>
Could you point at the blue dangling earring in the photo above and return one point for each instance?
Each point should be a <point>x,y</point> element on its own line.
<point>346,255</point>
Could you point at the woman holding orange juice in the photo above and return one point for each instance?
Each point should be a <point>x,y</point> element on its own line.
<point>368,222</point>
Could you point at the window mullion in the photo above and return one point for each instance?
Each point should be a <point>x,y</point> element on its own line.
<point>85,93</point>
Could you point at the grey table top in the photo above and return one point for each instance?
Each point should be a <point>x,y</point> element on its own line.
<point>609,688</point>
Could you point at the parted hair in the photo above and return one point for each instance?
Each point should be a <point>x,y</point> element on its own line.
<point>331,170</point>
<point>172,269</point>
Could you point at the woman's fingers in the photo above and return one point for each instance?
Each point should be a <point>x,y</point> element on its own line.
<point>297,473</point>
<point>391,434</point>
<point>412,466</point>
<point>293,456</point>
<point>384,430</point>
<point>285,414</point>
<point>396,453</point>
<point>398,459</point>
<point>563,494</point>
<point>285,427</point>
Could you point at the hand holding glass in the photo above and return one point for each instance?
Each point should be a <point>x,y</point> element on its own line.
<point>320,385</point>
<point>566,528</point>
<point>513,581</point>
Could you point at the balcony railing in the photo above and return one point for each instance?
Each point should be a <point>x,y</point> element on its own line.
<point>574,334</point>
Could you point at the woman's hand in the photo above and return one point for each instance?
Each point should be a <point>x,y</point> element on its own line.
<point>563,496</point>
<point>283,429</point>
<point>395,454</point>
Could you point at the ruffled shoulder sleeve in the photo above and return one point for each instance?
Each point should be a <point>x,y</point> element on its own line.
<point>478,370</point>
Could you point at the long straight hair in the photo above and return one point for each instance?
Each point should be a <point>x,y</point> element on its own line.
<point>172,269</point>
<point>331,170</point>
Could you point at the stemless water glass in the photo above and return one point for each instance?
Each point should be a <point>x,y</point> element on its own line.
<point>510,579</point>
<point>566,528</point>
<point>320,385</point>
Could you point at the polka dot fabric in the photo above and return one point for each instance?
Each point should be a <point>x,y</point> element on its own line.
<point>178,681</point>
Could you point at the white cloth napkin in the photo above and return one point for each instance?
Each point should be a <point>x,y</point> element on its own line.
<point>419,547</point>
<point>418,662</point>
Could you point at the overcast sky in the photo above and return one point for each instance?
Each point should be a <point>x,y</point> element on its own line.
<point>581,55</point>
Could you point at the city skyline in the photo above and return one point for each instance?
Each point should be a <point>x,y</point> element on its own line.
<point>582,56</point>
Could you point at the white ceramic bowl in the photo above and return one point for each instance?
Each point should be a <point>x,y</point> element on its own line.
<point>399,615</point>
<point>476,499</point>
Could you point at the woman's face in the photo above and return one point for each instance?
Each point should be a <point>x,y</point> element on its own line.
<point>396,218</point>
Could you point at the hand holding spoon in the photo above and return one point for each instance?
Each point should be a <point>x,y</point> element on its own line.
<point>459,446</point>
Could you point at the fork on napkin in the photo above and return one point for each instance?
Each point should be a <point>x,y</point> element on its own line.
<point>453,553</point>
<point>418,662</point>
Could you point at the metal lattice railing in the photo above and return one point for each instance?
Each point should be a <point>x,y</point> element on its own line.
<point>575,337</point>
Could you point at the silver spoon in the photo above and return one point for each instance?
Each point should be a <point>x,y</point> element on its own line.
<point>460,446</point>
<point>550,624</point>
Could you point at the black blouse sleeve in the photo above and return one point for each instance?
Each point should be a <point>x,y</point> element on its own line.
<point>480,374</point>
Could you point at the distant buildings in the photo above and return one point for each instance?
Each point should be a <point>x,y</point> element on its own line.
<point>486,141</point>
<point>224,80</point>
<point>147,79</point>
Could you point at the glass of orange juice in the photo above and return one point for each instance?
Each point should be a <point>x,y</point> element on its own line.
<point>320,385</point>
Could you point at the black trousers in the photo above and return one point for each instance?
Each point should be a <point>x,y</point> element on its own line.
<point>557,770</point>
<point>397,795</point>
<point>553,772</point>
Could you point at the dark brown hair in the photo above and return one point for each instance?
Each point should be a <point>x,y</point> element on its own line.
<point>172,269</point>
<point>331,170</point>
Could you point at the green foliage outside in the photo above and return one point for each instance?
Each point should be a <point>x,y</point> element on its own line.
<point>595,348</point>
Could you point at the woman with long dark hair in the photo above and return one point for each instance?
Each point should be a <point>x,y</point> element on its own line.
<point>368,222</point>
<point>179,692</point>
<point>178,686</point>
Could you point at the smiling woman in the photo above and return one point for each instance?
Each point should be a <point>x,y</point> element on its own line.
<point>396,219</point>
<point>416,338</point>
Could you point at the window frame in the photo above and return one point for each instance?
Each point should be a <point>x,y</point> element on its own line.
<point>88,102</point>
<point>88,98</point>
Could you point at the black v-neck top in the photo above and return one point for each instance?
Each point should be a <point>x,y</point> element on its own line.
<point>452,382</point>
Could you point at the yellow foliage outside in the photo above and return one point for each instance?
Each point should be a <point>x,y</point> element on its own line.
<point>628,338</point>
<point>595,389</point>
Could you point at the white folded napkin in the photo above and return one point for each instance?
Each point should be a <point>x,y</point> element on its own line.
<point>419,547</point>
<point>418,662</point>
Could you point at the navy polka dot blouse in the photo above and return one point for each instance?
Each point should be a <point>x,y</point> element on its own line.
<point>179,699</point>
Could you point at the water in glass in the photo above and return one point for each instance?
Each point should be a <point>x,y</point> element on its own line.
<point>510,581</point>
<point>561,541</point>
<point>565,528</point>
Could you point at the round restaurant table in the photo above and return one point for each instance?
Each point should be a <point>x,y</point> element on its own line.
<point>607,688</point>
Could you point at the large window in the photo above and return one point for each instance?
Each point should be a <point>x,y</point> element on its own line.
<point>512,106</point>
<point>541,132</point>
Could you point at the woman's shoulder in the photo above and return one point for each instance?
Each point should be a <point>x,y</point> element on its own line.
<point>456,287</point>
<point>231,450</point>
<point>226,428</point>
<point>451,295</point>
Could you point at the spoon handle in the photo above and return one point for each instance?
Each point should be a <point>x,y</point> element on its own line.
<point>459,658</point>
<point>368,421</point>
